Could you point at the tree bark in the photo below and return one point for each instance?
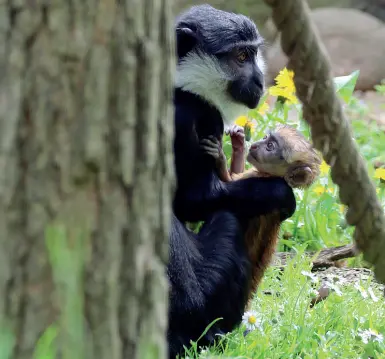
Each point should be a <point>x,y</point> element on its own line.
<point>86,176</point>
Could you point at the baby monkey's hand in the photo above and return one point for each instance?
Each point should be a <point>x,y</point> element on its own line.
<point>237,137</point>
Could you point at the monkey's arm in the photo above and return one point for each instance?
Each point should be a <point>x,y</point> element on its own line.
<point>250,173</point>
<point>200,192</point>
<point>237,137</point>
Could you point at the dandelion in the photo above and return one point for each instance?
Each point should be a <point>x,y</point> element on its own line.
<point>361,290</point>
<point>247,125</point>
<point>370,334</point>
<point>324,168</point>
<point>249,319</point>
<point>241,121</point>
<point>372,295</point>
<point>379,173</point>
<point>285,86</point>
<point>319,190</point>
<point>263,108</point>
<point>322,189</point>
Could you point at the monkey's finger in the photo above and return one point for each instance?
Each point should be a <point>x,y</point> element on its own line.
<point>214,139</point>
<point>230,129</point>
<point>211,151</point>
<point>207,142</point>
<point>239,134</point>
<point>214,155</point>
<point>236,130</point>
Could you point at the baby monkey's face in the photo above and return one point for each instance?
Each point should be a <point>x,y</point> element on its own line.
<point>285,152</point>
<point>267,155</point>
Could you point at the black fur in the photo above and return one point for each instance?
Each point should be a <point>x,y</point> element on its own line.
<point>209,273</point>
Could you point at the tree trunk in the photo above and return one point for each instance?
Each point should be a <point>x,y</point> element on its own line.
<point>86,177</point>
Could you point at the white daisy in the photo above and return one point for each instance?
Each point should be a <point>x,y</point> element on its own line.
<point>250,320</point>
<point>370,334</point>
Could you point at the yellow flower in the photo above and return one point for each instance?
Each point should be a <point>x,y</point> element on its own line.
<point>285,86</point>
<point>241,121</point>
<point>245,123</point>
<point>319,190</point>
<point>263,108</point>
<point>324,168</point>
<point>379,173</point>
<point>342,208</point>
<point>322,189</point>
<point>285,79</point>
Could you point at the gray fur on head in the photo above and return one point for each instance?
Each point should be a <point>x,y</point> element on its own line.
<point>199,70</point>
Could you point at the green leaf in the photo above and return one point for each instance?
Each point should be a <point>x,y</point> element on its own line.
<point>345,85</point>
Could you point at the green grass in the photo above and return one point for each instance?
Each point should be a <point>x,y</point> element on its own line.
<point>290,329</point>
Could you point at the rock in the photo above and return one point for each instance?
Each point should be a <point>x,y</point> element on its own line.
<point>258,10</point>
<point>354,40</point>
<point>372,7</point>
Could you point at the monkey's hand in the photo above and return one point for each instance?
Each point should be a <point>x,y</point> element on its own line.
<point>213,147</point>
<point>237,137</point>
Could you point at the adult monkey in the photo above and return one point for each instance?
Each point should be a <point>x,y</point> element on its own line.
<point>219,76</point>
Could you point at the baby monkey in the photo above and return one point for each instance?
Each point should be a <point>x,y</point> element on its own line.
<point>284,152</point>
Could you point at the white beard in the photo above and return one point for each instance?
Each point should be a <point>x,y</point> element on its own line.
<point>203,76</point>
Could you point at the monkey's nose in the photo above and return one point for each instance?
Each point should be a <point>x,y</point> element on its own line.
<point>254,146</point>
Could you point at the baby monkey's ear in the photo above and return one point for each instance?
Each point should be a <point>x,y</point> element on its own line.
<point>298,176</point>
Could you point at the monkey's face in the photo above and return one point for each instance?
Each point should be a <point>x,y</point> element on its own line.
<point>219,59</point>
<point>267,156</point>
<point>286,153</point>
<point>247,83</point>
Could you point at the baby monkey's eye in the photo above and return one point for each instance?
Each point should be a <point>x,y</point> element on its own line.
<point>241,57</point>
<point>270,146</point>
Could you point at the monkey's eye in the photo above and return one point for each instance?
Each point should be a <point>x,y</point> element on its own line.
<point>270,146</point>
<point>265,137</point>
<point>241,57</point>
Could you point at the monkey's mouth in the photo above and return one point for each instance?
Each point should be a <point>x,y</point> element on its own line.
<point>252,158</point>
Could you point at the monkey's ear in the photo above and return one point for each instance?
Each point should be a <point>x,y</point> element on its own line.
<point>299,176</point>
<point>186,39</point>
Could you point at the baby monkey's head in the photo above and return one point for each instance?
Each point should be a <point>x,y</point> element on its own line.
<point>285,152</point>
